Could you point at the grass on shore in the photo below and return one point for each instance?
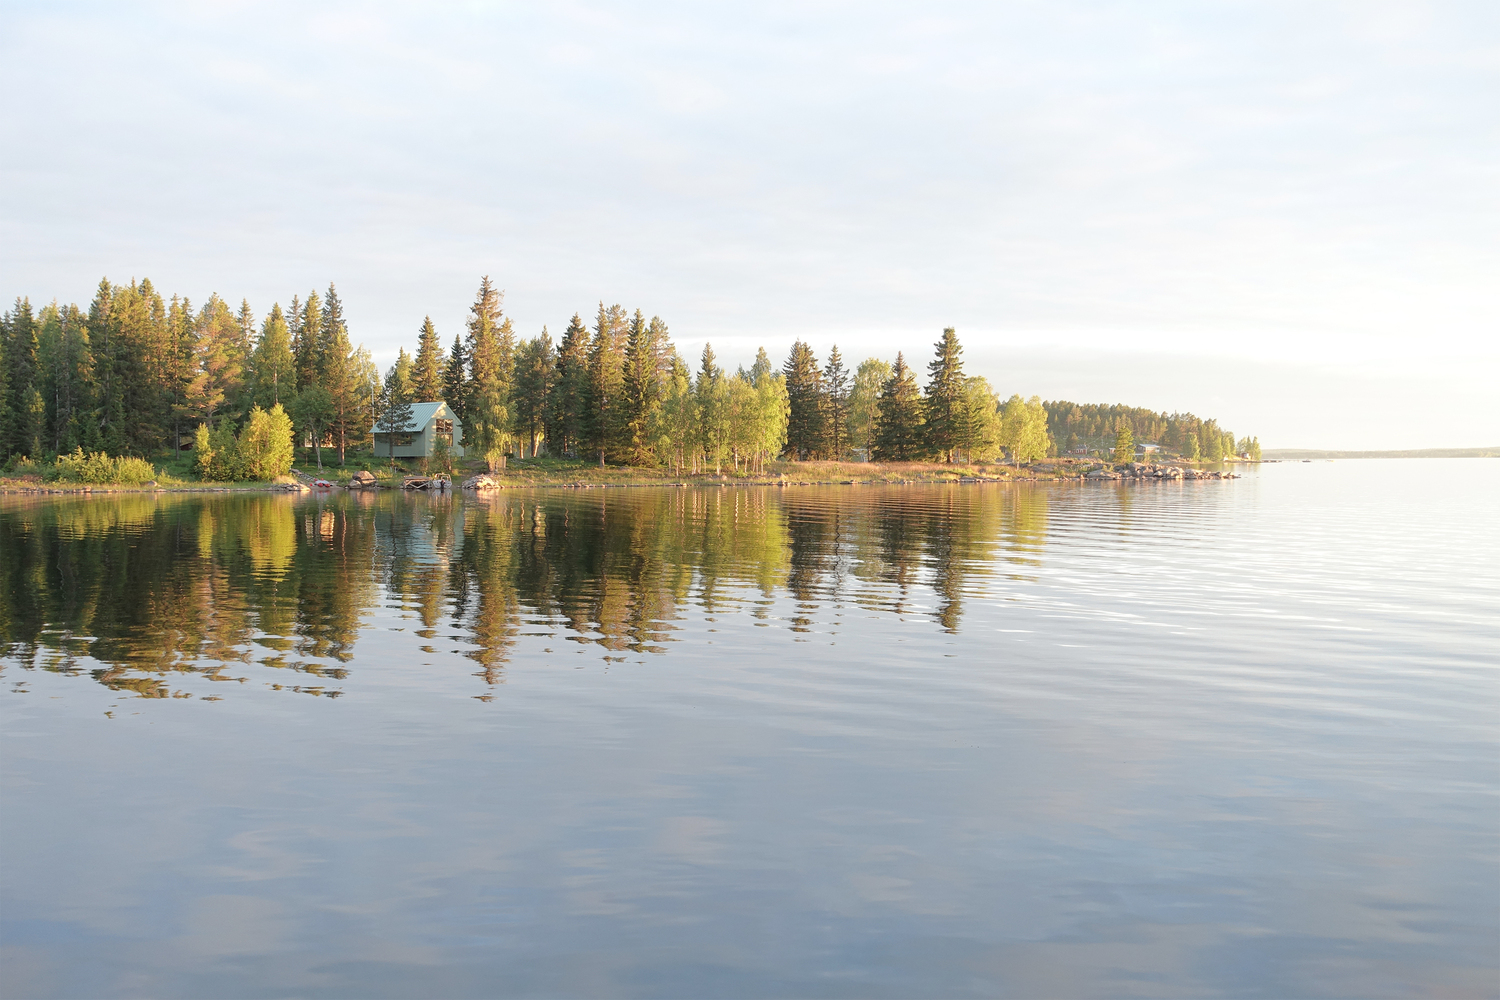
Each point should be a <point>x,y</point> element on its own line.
<point>175,473</point>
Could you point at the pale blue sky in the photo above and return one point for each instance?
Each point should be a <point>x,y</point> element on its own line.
<point>1284,215</point>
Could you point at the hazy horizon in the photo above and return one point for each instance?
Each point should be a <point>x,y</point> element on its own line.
<point>1277,216</point>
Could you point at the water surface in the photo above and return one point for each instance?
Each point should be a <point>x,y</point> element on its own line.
<point>1159,739</point>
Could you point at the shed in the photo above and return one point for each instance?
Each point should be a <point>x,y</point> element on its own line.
<point>429,422</point>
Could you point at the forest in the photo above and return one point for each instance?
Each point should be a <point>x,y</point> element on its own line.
<point>136,375</point>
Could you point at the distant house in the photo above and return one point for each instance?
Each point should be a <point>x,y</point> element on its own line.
<point>429,422</point>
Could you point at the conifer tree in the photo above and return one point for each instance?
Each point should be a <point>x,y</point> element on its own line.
<point>536,366</point>
<point>761,369</point>
<point>7,408</point>
<point>603,409</point>
<point>401,372</point>
<point>394,406</point>
<point>641,388</point>
<point>898,421</point>
<point>272,364</point>
<point>569,389</point>
<point>342,376</point>
<point>21,374</point>
<point>427,371</point>
<point>456,380</point>
<point>806,435</point>
<point>944,403</point>
<point>836,390</point>
<point>309,345</point>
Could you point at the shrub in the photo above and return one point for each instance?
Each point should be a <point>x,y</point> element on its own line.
<point>97,468</point>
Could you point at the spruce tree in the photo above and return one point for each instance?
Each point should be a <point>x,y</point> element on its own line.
<point>898,421</point>
<point>7,408</point>
<point>569,390</point>
<point>456,380</point>
<point>21,374</point>
<point>309,344</point>
<point>536,366</point>
<point>603,412</point>
<point>642,389</point>
<point>394,406</point>
<point>806,434</point>
<point>945,396</point>
<point>427,371</point>
<point>836,389</point>
<point>273,367</point>
<point>341,376</point>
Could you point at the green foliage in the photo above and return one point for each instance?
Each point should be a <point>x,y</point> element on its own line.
<point>96,468</point>
<point>899,433</point>
<point>313,414</point>
<point>807,424</point>
<point>864,398</point>
<point>132,373</point>
<point>217,454</point>
<point>1023,429</point>
<point>265,445</point>
<point>1124,445</point>
<point>427,369</point>
<point>394,409</point>
<point>945,398</point>
<point>442,457</point>
<point>979,423</point>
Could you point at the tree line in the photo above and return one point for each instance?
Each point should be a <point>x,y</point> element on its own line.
<point>137,374</point>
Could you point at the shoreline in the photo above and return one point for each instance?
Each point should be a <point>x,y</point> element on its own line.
<point>795,475</point>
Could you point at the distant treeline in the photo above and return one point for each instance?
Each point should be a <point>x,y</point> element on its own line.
<point>137,374</point>
<point>1078,427</point>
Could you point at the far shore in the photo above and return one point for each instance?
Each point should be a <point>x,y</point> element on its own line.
<point>553,474</point>
<point>1296,454</point>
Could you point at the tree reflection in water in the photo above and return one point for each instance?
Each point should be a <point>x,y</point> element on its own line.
<point>135,589</point>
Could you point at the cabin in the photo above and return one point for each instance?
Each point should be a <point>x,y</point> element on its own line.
<point>429,422</point>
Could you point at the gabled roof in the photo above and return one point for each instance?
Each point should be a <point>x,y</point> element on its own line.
<point>421,413</point>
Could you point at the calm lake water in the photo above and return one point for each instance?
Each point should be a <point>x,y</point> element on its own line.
<point>1168,739</point>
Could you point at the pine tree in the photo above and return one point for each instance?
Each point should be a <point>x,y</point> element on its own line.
<point>945,396</point>
<point>836,388</point>
<point>898,422</point>
<point>427,371</point>
<point>806,434</point>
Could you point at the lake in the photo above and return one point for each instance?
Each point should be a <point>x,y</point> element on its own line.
<point>1109,739</point>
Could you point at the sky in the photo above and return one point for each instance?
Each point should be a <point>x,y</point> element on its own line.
<point>1282,215</point>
